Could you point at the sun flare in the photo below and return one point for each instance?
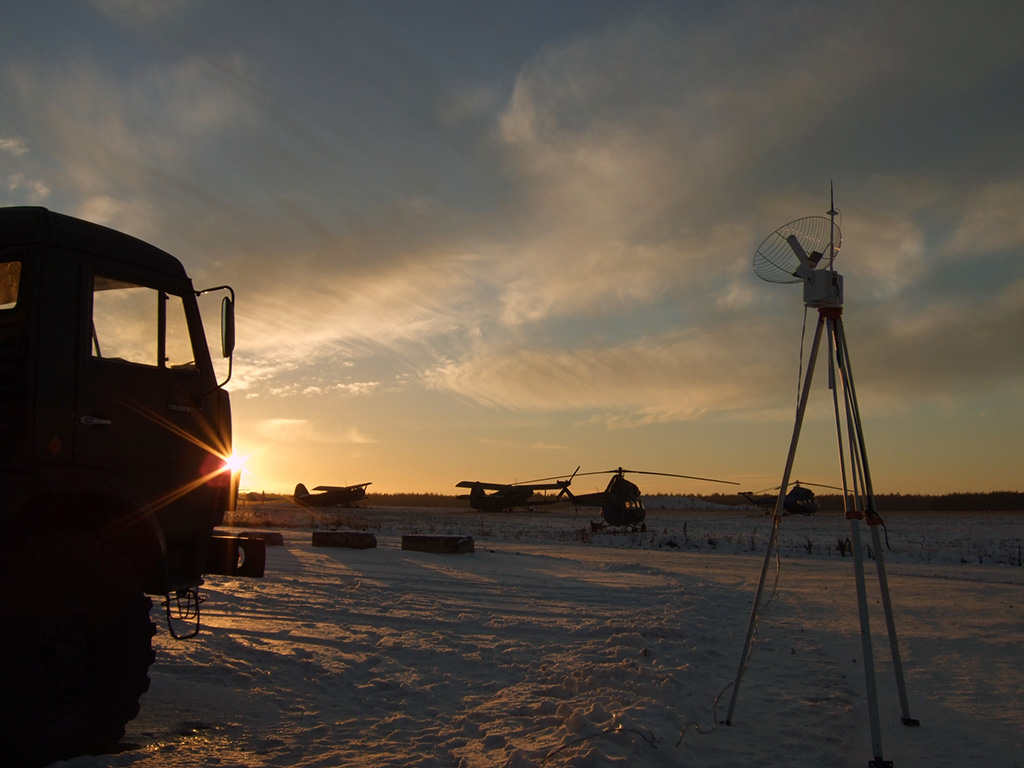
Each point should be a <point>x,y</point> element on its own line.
<point>235,462</point>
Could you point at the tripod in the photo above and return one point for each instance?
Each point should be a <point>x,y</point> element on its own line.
<point>863,508</point>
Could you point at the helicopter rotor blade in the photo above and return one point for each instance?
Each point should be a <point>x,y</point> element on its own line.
<point>817,485</point>
<point>777,488</point>
<point>688,477</point>
<point>621,471</point>
<point>555,477</point>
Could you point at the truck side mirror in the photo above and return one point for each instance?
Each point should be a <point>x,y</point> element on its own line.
<point>227,327</point>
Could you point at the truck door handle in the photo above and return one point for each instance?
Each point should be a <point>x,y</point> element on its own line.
<point>94,421</point>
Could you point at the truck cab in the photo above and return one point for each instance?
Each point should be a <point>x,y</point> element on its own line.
<point>115,436</point>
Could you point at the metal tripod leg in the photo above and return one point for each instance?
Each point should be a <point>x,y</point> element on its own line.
<point>853,419</point>
<point>890,622</point>
<point>837,344</point>
<point>865,644</point>
<point>836,350</point>
<point>776,517</point>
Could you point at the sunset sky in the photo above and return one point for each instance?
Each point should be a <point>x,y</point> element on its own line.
<point>498,241</point>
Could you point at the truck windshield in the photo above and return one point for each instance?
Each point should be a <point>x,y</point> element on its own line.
<point>10,280</point>
<point>138,324</point>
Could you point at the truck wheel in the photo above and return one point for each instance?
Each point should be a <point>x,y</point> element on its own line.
<point>76,652</point>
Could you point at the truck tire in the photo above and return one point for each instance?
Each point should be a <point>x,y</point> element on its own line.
<point>75,653</point>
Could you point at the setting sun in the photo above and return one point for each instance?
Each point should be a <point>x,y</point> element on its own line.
<point>235,462</point>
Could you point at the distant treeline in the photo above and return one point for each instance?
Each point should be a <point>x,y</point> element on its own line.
<point>412,500</point>
<point>994,501</point>
<point>372,499</point>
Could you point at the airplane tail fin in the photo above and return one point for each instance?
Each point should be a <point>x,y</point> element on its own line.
<point>300,490</point>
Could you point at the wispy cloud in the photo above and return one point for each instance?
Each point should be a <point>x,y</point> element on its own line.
<point>142,15</point>
<point>13,145</point>
<point>992,221</point>
<point>18,185</point>
<point>627,220</point>
<point>306,431</point>
<point>132,157</point>
<point>678,374</point>
<point>566,232</point>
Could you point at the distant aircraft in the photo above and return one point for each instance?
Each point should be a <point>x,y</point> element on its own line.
<point>800,500</point>
<point>508,496</point>
<point>620,502</point>
<point>332,496</point>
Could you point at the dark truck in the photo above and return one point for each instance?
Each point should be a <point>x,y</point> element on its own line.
<point>115,436</point>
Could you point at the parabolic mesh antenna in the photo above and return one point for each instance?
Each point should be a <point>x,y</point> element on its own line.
<point>792,252</point>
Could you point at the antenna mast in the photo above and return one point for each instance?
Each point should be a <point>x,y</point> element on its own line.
<point>832,212</point>
<point>793,253</point>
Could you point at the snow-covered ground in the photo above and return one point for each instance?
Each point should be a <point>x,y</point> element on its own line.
<point>551,645</point>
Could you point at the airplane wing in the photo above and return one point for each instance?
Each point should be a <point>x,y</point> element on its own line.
<point>545,486</point>
<point>341,487</point>
<point>508,486</point>
<point>485,486</point>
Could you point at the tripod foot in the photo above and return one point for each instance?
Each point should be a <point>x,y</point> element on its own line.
<point>880,763</point>
<point>910,721</point>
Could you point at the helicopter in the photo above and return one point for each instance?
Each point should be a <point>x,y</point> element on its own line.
<point>507,496</point>
<point>799,500</point>
<point>620,502</point>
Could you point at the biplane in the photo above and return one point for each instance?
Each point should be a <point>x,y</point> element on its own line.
<point>330,495</point>
<point>506,497</point>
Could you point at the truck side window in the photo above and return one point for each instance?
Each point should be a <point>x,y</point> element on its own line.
<point>126,325</point>
<point>10,279</point>
<point>124,321</point>
<point>178,352</point>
